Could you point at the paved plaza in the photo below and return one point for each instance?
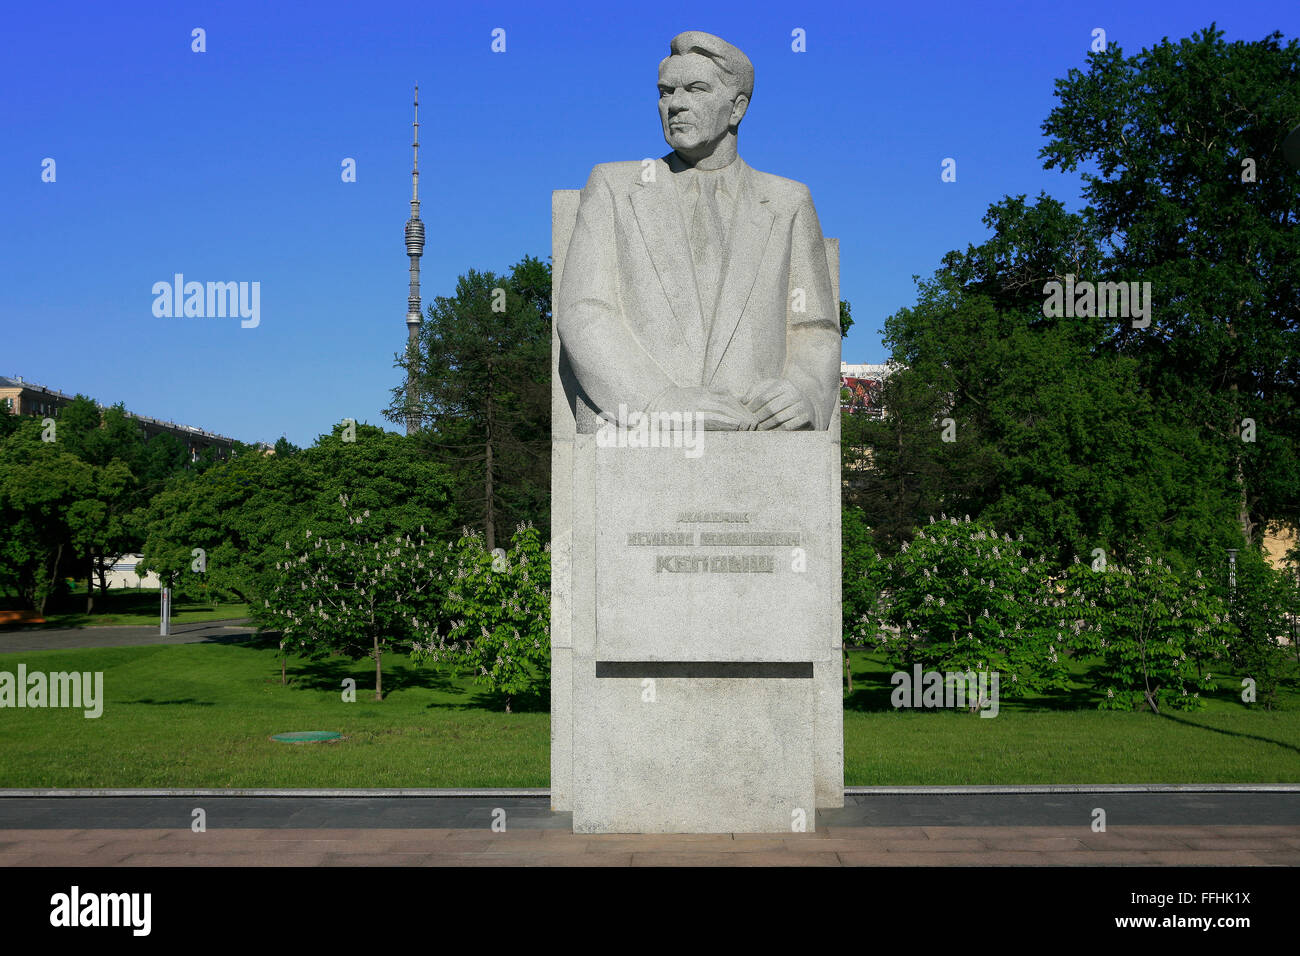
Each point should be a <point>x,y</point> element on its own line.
<point>988,828</point>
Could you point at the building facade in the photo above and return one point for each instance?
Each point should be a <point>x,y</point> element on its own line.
<point>27,398</point>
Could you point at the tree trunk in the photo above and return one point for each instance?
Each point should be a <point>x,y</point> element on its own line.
<point>1243,508</point>
<point>489,519</point>
<point>90,584</point>
<point>379,672</point>
<point>900,513</point>
<point>54,574</point>
<point>848,670</point>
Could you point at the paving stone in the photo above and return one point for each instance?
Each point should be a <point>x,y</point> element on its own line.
<point>1204,858</point>
<point>377,859</point>
<point>1099,858</point>
<point>486,834</point>
<point>1278,857</point>
<point>249,858</point>
<point>853,846</point>
<point>1035,844</point>
<point>1132,841</point>
<point>876,833</point>
<point>932,846</point>
<point>756,858</point>
<point>1230,843</point>
<point>966,833</point>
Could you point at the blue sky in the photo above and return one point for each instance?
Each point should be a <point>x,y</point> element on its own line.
<point>225,165</point>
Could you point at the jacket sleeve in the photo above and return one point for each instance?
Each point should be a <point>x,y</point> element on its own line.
<point>812,358</point>
<point>609,362</point>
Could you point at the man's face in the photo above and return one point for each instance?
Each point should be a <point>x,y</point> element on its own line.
<point>695,105</point>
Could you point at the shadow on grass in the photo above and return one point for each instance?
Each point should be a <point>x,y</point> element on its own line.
<point>1231,733</point>
<point>529,702</point>
<point>260,641</point>
<point>180,700</point>
<point>873,692</point>
<point>329,673</point>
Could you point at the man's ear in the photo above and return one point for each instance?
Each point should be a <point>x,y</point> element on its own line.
<point>738,107</point>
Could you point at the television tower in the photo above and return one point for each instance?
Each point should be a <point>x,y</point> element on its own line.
<point>414,249</point>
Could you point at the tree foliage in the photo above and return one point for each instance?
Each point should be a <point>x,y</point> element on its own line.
<point>1194,196</point>
<point>498,604</point>
<point>958,597</point>
<point>242,511</point>
<point>359,593</point>
<point>481,393</point>
<point>1159,634</point>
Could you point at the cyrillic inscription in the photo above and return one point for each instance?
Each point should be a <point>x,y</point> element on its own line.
<point>777,539</point>
<point>652,539</point>
<point>715,564</point>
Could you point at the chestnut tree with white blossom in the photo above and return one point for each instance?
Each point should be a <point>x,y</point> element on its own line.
<point>359,595</point>
<point>1160,635</point>
<point>498,604</point>
<point>959,598</point>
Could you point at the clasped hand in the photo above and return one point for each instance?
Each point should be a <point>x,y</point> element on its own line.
<point>771,403</point>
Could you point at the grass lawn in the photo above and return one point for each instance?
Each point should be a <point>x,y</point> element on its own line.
<point>200,715</point>
<point>133,606</point>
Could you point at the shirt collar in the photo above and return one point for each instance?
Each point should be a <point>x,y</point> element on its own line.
<point>727,178</point>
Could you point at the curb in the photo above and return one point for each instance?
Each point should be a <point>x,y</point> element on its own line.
<point>540,792</point>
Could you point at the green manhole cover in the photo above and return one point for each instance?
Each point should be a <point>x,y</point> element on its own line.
<point>306,736</point>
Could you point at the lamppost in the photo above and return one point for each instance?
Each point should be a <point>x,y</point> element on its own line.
<point>165,612</point>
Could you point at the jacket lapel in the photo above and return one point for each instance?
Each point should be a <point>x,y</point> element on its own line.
<point>659,218</point>
<point>749,234</point>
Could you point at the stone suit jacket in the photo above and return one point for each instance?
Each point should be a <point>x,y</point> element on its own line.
<point>629,316</point>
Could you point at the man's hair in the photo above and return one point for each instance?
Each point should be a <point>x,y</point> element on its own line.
<point>737,72</point>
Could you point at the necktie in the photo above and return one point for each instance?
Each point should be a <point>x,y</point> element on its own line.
<point>707,243</point>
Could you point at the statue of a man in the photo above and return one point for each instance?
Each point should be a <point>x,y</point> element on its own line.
<point>695,284</point>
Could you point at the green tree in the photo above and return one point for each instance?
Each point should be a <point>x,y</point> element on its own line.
<point>1046,427</point>
<point>898,468</point>
<point>1261,606</point>
<point>1192,190</point>
<point>482,393</point>
<point>358,594</point>
<point>846,318</point>
<point>499,606</point>
<point>1159,633</point>
<point>860,585</point>
<point>959,598</point>
<point>240,512</point>
<point>41,484</point>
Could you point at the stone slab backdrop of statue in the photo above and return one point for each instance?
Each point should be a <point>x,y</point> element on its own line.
<point>696,284</point>
<point>695,489</point>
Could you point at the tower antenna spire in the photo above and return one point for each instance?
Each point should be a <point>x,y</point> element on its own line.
<point>415,161</point>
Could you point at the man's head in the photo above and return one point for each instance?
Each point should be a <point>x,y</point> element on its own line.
<point>705,85</point>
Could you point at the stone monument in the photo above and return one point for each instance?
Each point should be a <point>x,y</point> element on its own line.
<point>695,630</point>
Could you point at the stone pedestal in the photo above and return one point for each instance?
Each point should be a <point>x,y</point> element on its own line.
<point>696,679</point>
